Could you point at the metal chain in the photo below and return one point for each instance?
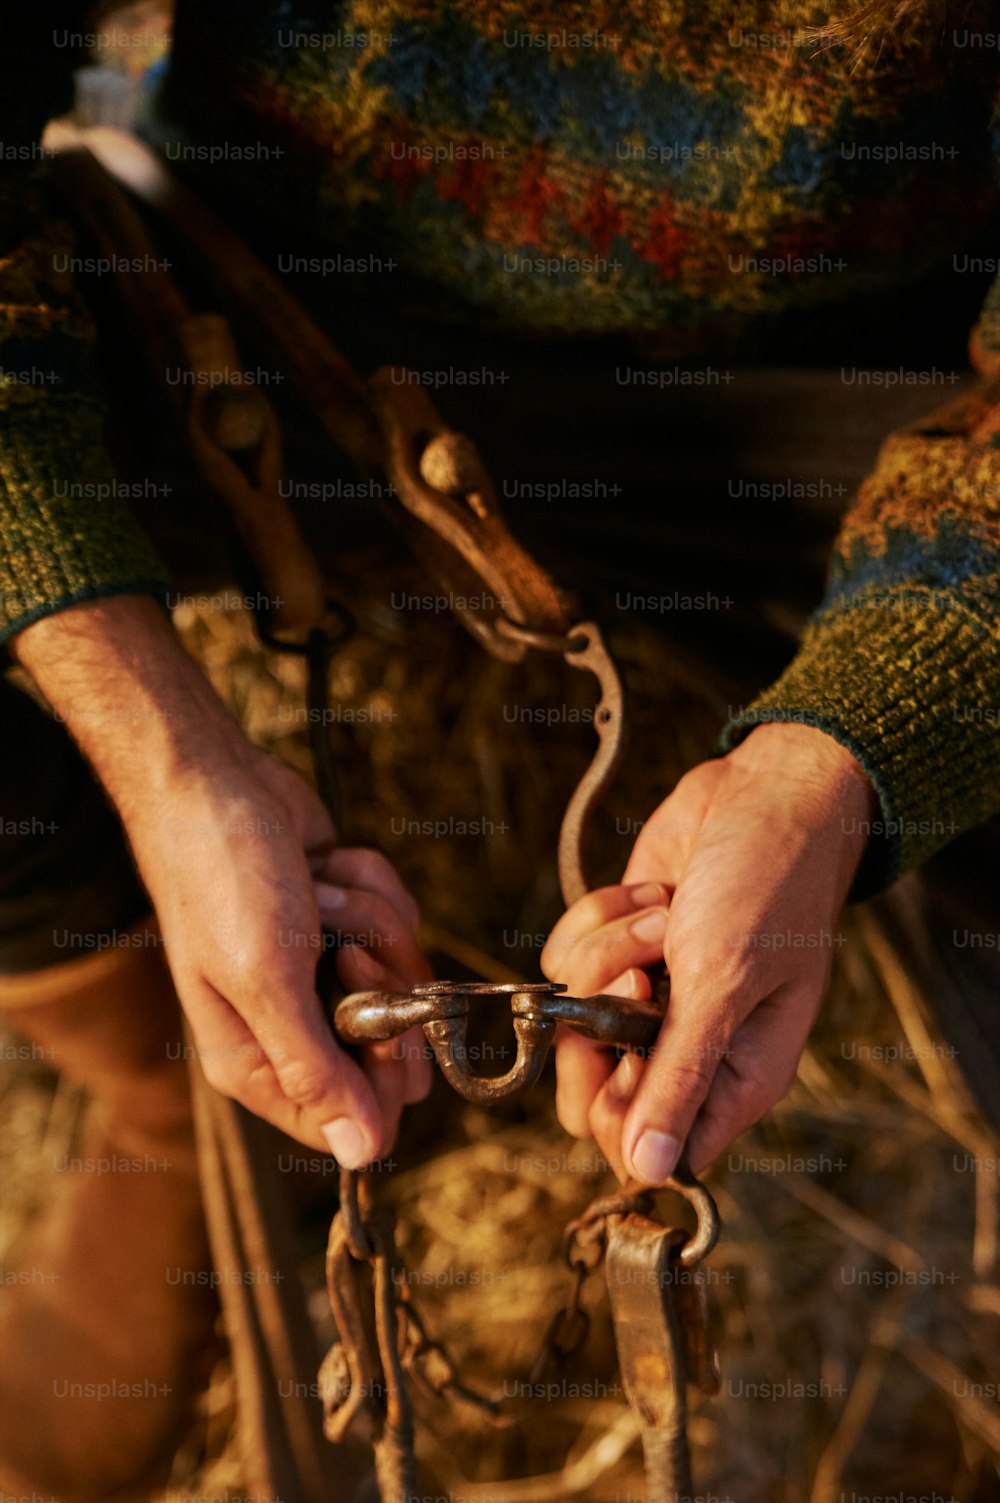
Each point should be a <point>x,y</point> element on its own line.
<point>584,1246</point>
<point>436,1371</point>
<point>364,1236</point>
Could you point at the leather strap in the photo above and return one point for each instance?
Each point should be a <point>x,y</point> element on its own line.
<point>279,1413</point>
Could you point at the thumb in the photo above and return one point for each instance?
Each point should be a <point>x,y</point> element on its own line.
<point>673,1087</point>
<point>325,1094</point>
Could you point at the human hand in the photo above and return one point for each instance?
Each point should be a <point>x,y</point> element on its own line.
<point>240,861</point>
<point>249,885</point>
<point>736,882</point>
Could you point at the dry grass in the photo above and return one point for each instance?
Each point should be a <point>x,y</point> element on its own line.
<point>856,1275</point>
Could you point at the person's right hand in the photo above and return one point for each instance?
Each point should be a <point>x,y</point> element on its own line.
<point>240,860</point>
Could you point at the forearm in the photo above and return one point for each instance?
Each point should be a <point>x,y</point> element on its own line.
<point>236,896</point>
<point>901,663</point>
<point>67,533</point>
<point>140,709</point>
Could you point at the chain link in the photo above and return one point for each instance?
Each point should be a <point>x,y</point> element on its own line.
<point>436,1371</point>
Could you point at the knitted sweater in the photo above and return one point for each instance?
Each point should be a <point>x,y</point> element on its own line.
<point>694,172</point>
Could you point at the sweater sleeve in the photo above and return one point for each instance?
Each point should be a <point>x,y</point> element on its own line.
<point>66,531</point>
<point>901,662</point>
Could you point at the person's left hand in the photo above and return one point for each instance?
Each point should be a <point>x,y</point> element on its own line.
<point>736,882</point>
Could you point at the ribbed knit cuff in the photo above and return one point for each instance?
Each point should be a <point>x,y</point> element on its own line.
<point>67,533</point>
<point>910,684</point>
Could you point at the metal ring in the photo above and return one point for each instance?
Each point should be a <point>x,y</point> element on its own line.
<point>578,1329</point>
<point>574,640</point>
<point>579,1253</point>
<point>705,1236</point>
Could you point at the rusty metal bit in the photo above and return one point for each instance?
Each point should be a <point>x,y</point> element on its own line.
<point>334,1380</point>
<point>539,989</point>
<point>570,1326</point>
<point>381,1229</point>
<point>442,1008</point>
<point>503,579</point>
<point>690,1295</point>
<point>372,1017</point>
<point>556,1347</point>
<point>450,463</point>
<point>491,1409</point>
<point>585,1239</point>
<point>588,1241</point>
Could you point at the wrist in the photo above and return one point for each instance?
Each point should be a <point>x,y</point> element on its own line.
<point>802,749</point>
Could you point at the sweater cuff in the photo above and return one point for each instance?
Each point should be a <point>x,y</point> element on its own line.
<point>68,534</point>
<point>910,684</point>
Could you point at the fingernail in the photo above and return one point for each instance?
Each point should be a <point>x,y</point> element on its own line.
<point>654,1157</point>
<point>328,896</point>
<point>648,893</point>
<point>347,1143</point>
<point>622,1083</point>
<point>652,925</point>
<point>636,984</point>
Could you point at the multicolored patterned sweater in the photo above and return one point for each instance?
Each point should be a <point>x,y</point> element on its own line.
<point>695,172</point>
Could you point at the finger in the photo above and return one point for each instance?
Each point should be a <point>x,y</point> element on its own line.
<point>713,990</point>
<point>385,1071</point>
<point>707,1006</point>
<point>416,1054</point>
<point>608,1112</point>
<point>325,1088</point>
<point>310,1089</point>
<point>757,1072</point>
<point>617,949</point>
<point>592,912</point>
<point>352,866</point>
<point>631,983</point>
<point>582,1067</point>
<point>414,1058</point>
<point>360,971</point>
<point>363,920</point>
